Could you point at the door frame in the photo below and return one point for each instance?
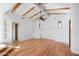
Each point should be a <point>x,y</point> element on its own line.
<point>69,33</point>
<point>14,33</point>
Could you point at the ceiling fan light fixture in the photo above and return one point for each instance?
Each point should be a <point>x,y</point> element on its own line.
<point>41,18</point>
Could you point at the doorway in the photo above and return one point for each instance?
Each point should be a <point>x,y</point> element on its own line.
<point>69,33</point>
<point>15,32</point>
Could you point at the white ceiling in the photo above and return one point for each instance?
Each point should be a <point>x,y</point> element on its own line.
<point>5,7</point>
<point>25,6</point>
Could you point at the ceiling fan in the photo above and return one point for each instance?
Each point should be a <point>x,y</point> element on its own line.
<point>42,17</point>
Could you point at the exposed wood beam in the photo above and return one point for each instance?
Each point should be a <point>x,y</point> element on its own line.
<point>34,15</point>
<point>28,11</point>
<point>65,8</point>
<point>42,8</point>
<point>36,18</point>
<point>15,7</point>
<point>57,13</point>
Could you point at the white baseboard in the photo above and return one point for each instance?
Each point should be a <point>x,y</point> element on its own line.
<point>74,51</point>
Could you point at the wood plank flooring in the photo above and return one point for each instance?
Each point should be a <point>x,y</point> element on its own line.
<point>40,47</point>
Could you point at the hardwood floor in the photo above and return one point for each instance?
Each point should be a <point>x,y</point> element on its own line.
<point>40,47</point>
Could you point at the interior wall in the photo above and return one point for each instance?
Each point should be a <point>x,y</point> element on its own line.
<point>3,8</point>
<point>25,25</point>
<point>37,32</point>
<point>74,13</point>
<point>78,27</point>
<point>26,30</point>
<point>49,28</point>
<point>7,31</point>
<point>1,30</point>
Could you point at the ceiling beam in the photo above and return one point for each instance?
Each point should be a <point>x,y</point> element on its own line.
<point>15,7</point>
<point>34,14</point>
<point>28,11</point>
<point>42,8</point>
<point>36,18</point>
<point>65,8</point>
<point>57,13</point>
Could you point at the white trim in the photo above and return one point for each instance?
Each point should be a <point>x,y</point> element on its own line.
<point>74,51</point>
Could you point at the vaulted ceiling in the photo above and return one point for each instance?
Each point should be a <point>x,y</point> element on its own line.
<point>32,10</point>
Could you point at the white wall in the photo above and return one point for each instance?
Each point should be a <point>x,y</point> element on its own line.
<point>50,28</point>
<point>37,32</point>
<point>74,13</point>
<point>3,8</point>
<point>26,30</point>
<point>25,25</point>
<point>78,27</point>
<point>1,30</point>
